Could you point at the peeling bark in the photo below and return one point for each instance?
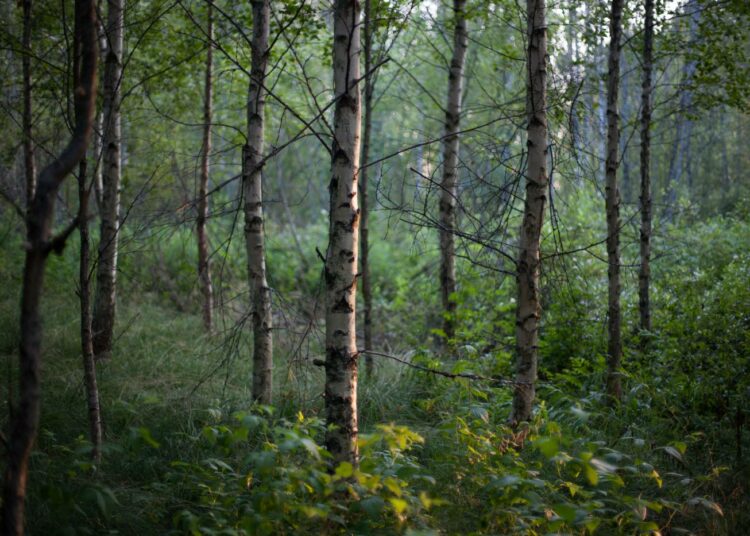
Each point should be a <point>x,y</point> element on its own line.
<point>260,293</point>
<point>614,348</point>
<point>341,256</point>
<point>39,220</point>
<point>449,182</point>
<point>106,277</point>
<point>529,308</point>
<point>204,267</point>
<point>644,273</point>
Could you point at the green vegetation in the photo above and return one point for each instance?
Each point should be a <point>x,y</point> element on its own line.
<point>185,453</point>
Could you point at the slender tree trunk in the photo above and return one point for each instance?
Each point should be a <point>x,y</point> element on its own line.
<point>28,141</point>
<point>98,133</point>
<point>39,244</point>
<point>683,123</point>
<point>280,183</point>
<point>449,183</point>
<point>98,151</point>
<point>644,274</point>
<point>87,344</point>
<point>343,235</point>
<point>625,112</point>
<point>260,293</point>
<point>363,175</point>
<point>204,267</point>
<point>106,277</point>
<point>529,309</point>
<point>614,349</point>
<point>572,52</point>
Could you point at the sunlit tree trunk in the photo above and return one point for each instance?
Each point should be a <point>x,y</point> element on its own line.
<point>260,293</point>
<point>39,244</point>
<point>204,267</point>
<point>343,237</point>
<point>28,141</point>
<point>449,182</point>
<point>106,277</point>
<point>363,175</point>
<point>614,348</point>
<point>644,274</point>
<point>87,344</point>
<point>529,308</point>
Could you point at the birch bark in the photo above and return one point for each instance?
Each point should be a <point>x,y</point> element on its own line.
<point>449,182</point>
<point>106,277</point>
<point>341,256</point>
<point>260,293</point>
<point>529,309</point>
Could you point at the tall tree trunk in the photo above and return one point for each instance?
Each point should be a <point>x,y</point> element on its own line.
<point>574,79</point>
<point>204,267</point>
<point>614,348</point>
<point>363,175</point>
<point>343,235</point>
<point>97,157</point>
<point>683,123</point>
<point>449,183</point>
<point>87,344</point>
<point>529,309</point>
<point>28,141</point>
<point>625,113</point>
<point>644,274</point>
<point>39,244</point>
<point>260,293</point>
<point>106,277</point>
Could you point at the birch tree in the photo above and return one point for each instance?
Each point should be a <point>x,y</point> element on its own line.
<point>260,293</point>
<point>529,308</point>
<point>644,272</point>
<point>84,295</point>
<point>343,236</point>
<point>449,182</point>
<point>612,198</point>
<point>204,267</point>
<point>363,175</point>
<point>106,278</point>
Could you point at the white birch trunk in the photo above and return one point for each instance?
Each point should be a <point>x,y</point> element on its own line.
<point>260,293</point>
<point>341,256</point>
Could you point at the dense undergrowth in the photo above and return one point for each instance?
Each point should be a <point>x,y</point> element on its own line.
<point>185,452</point>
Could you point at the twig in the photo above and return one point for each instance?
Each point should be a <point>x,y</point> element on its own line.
<point>451,375</point>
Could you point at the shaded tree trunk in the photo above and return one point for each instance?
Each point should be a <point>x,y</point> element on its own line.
<point>260,293</point>
<point>343,235</point>
<point>678,163</point>
<point>574,80</point>
<point>449,182</point>
<point>28,141</point>
<point>529,308</point>
<point>87,344</point>
<point>644,273</point>
<point>204,267</point>
<point>614,348</point>
<point>364,230</point>
<point>25,424</point>
<point>625,115</point>
<point>106,277</point>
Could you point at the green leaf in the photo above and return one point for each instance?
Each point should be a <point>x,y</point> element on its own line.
<point>344,470</point>
<point>399,505</point>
